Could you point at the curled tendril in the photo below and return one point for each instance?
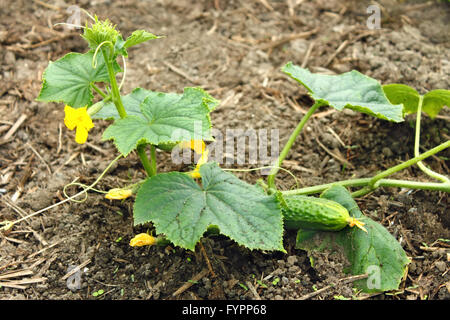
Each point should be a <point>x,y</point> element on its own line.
<point>76,25</point>
<point>68,24</point>
<point>88,14</point>
<point>85,187</point>
<point>124,72</point>
<point>10,224</point>
<point>94,58</point>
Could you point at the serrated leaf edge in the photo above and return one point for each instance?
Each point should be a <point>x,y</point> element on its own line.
<point>348,105</point>
<point>45,82</point>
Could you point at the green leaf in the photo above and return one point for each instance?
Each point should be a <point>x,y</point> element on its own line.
<point>434,101</point>
<point>132,104</point>
<point>70,79</point>
<point>163,118</point>
<point>119,47</point>
<point>182,210</point>
<point>403,94</point>
<point>133,100</point>
<point>138,37</point>
<point>351,90</point>
<point>376,252</point>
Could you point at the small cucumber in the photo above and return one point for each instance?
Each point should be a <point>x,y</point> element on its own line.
<point>305,212</point>
<point>167,146</point>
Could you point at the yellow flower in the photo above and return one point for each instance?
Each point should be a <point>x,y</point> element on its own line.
<point>195,174</point>
<point>197,145</point>
<point>204,159</point>
<point>118,194</point>
<point>142,239</point>
<point>355,222</point>
<point>79,119</point>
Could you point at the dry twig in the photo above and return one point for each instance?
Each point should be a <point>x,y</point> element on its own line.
<point>40,157</point>
<point>182,73</point>
<point>253,290</point>
<point>14,128</point>
<point>344,280</point>
<point>76,269</point>
<point>276,43</point>
<point>202,249</point>
<point>190,283</point>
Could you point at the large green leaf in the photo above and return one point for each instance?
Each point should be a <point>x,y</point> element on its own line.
<point>132,104</point>
<point>70,79</point>
<point>351,90</point>
<point>376,252</point>
<point>161,118</point>
<point>182,210</point>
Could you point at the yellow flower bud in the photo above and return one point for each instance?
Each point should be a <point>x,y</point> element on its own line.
<point>118,194</point>
<point>142,239</point>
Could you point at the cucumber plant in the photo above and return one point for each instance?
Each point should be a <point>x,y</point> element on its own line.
<point>370,248</point>
<point>182,206</point>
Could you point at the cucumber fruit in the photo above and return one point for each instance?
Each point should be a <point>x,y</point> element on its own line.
<point>305,212</point>
<point>168,146</point>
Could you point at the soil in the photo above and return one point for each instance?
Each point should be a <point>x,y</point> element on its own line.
<point>230,49</point>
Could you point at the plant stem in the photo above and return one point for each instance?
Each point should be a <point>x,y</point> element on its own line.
<point>144,159</point>
<point>373,183</point>
<point>436,186</point>
<point>153,157</point>
<point>408,163</point>
<point>379,181</point>
<point>289,143</point>
<point>114,88</point>
<point>319,188</point>
<point>364,181</point>
<point>420,164</point>
<point>117,100</point>
<point>99,91</point>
